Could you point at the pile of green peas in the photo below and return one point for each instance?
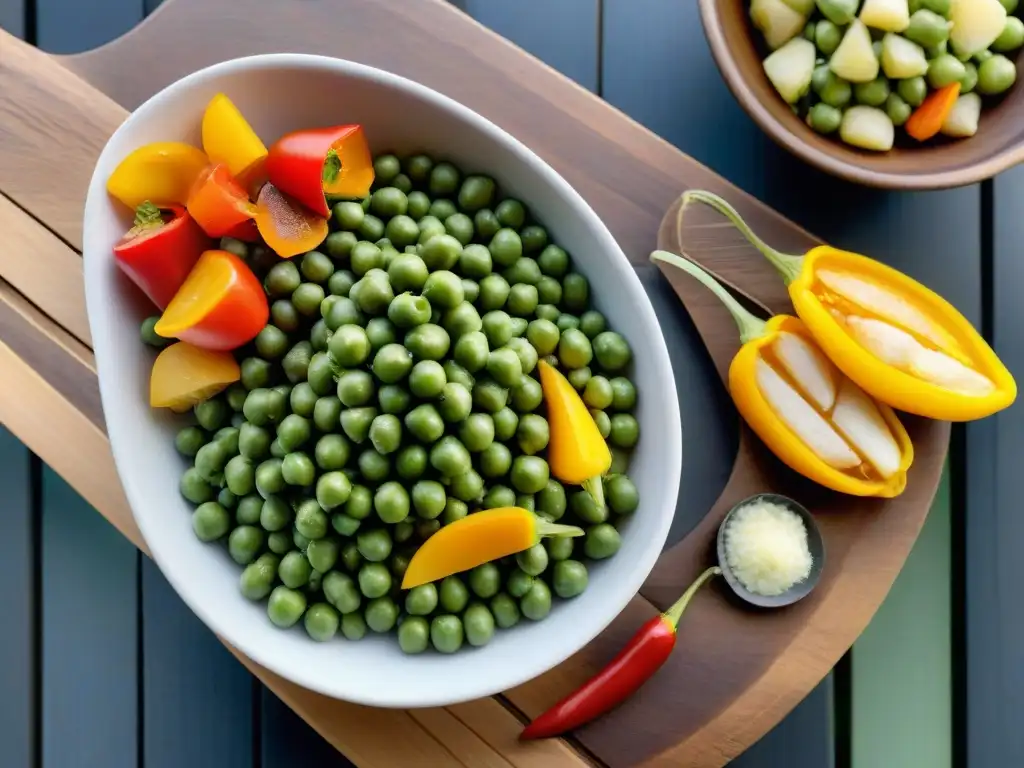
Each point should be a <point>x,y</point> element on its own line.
<point>989,72</point>
<point>392,393</point>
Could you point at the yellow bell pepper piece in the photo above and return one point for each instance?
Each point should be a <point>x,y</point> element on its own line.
<point>477,539</point>
<point>899,341</point>
<point>228,138</point>
<point>162,173</point>
<point>184,375</point>
<point>577,454</point>
<point>815,419</point>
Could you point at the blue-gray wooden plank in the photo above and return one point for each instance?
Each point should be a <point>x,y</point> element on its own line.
<point>994,530</point>
<point>17,631</point>
<point>197,699</point>
<point>12,17</point>
<point>70,26</point>
<point>89,635</point>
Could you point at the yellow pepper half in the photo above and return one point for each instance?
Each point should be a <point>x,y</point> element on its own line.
<point>815,419</point>
<point>228,138</point>
<point>577,454</point>
<point>184,375</point>
<point>162,173</point>
<point>902,343</point>
<point>477,539</point>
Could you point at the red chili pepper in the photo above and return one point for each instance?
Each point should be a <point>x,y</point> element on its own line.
<point>159,251</point>
<point>634,665</point>
<point>308,165</point>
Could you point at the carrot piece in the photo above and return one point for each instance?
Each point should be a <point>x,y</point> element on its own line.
<point>929,117</point>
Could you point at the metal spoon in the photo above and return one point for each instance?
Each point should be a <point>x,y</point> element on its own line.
<point>814,542</point>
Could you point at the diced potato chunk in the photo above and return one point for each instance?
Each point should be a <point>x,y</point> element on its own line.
<point>778,22</point>
<point>790,68</point>
<point>962,120</point>
<point>902,58</point>
<point>854,60</point>
<point>867,128</point>
<point>888,15</point>
<point>976,24</point>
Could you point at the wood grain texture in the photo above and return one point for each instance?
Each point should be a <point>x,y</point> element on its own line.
<point>999,144</point>
<point>630,177</point>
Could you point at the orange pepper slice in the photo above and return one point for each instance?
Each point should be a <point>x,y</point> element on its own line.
<point>162,173</point>
<point>184,375</point>
<point>928,118</point>
<point>287,228</point>
<point>218,203</point>
<point>478,539</point>
<point>220,306</point>
<point>228,138</point>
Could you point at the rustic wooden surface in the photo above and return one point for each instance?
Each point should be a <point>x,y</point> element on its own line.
<point>629,176</point>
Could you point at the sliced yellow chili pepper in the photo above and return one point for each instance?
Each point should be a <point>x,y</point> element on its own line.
<point>899,341</point>
<point>577,454</point>
<point>228,138</point>
<point>184,375</point>
<point>815,419</point>
<point>162,173</point>
<point>478,539</point>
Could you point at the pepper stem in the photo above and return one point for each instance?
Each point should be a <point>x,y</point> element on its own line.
<point>148,215</point>
<point>595,488</point>
<point>675,613</point>
<point>544,528</point>
<point>332,166</point>
<point>751,327</point>
<point>787,265</point>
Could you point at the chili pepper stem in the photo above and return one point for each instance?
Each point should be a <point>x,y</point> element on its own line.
<point>595,487</point>
<point>675,613</point>
<point>788,265</point>
<point>548,529</point>
<point>750,327</point>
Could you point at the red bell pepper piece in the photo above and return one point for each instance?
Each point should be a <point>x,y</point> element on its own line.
<point>159,251</point>
<point>219,203</point>
<point>247,231</point>
<point>221,306</point>
<point>308,165</point>
<point>634,665</point>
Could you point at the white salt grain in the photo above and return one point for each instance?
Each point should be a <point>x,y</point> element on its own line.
<point>766,548</point>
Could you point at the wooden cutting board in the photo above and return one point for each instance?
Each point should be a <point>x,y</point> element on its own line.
<point>734,674</point>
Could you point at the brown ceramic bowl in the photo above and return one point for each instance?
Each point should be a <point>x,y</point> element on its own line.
<point>998,145</point>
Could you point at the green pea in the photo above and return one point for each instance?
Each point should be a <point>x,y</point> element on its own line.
<point>355,422</point>
<point>393,398</point>
<point>385,168</point>
<point>271,342</point>
<point>468,486</point>
<point>332,490</point>
<point>559,548</point>
<point>927,28</point>
<point>598,393</point>
<point>897,109</point>
<point>506,247</point>
<point>391,503</point>
<point>446,633</point>
<point>1009,5</point>
<point>996,75</point>
<point>450,457</point>
<point>360,503</point>
<point>497,327</point>
<point>912,90</point>
<point>255,373</point>
<point>284,315</point>
<point>348,215</point>
<point>391,364</point>
<point>456,374</point>
<point>210,521</point>
<point>321,622</point>
<point>293,432</point>
<point>549,293</point>
<point>248,510</point>
<point>455,401</point>
<point>411,462</point>
<point>322,554</point>
<point>506,422</point>
<point>486,223</point>
<point>444,180</point>
<point>586,509</point>
<point>827,36</point>
<point>529,473</point>
<point>427,342</point>
<point>522,300</point>
<point>528,395</point>
<point>475,261</point>
<point>495,460</point>
<point>307,297</point>
<point>339,244</point>
<point>575,292</point>
<point>374,580</point>
<point>381,332</point>
<point>494,292</point>
<point>569,578</point>
<point>461,320</point>
<point>945,69</point>
<point>625,430</point>
<point>444,289</point>
<point>505,367</point>
<point>189,440</point>
<point>553,261</point>
<point>551,500</point>
<point>372,228</point>
<point>485,580</point>
<point>533,561</point>
<point>460,227</point>
<point>536,603</point>
<point>275,514</point>
<point>970,80</point>
<point>454,509</point>
<point>285,607</point>
<point>453,594</point>
<point>519,583</point>
<point>210,461</point>
<point>534,237</point>
<point>478,623</point>
<point>381,614</point>
<point>296,362</point>
<point>345,525</point>
<point>476,193</point>
<point>489,396</point>
<point>472,351</point>
<point>612,351</point>
<point>374,545</point>
<point>575,349</point>
<point>824,119</point>
<point>413,635</point>
<point>332,452</point>
<point>258,577</point>
<point>505,610</point>
<point>343,311</point>
<point>282,279</point>
<point>387,202</point>
<point>148,334</point>
<point>428,499</point>
<point>310,520</point>
<point>353,626</point>
<point>524,270</point>
<point>603,422</point>
<point>239,475</point>
<point>373,466</point>
<point>350,558</point>
<point>418,168</point>
<point>303,399</point>
<point>294,570</point>
<point>621,494</point>
<point>341,592</point>
<point>602,541</point>
<point>498,496</point>
<point>532,435</point>
<point>425,423</point>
